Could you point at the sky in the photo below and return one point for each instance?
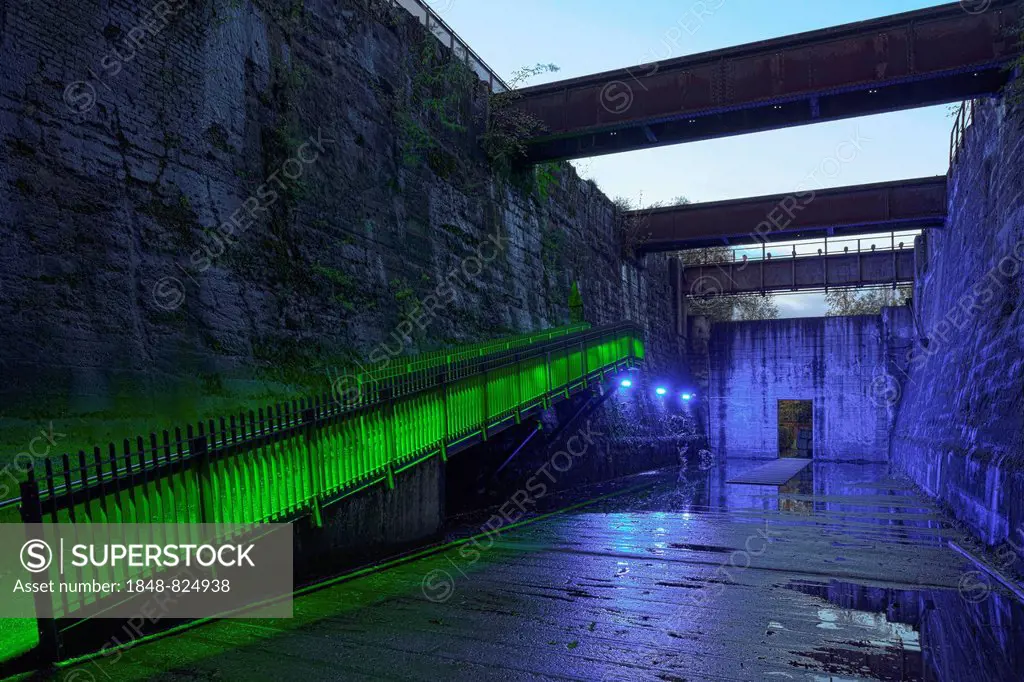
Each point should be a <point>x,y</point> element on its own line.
<point>588,36</point>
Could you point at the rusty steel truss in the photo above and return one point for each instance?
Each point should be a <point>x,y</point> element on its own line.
<point>807,273</point>
<point>925,57</point>
<point>805,214</point>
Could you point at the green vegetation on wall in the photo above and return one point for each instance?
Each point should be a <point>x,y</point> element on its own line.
<point>575,304</point>
<point>546,178</point>
<point>509,127</point>
<point>438,102</point>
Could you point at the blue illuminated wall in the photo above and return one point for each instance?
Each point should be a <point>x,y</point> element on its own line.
<point>839,363</point>
<point>959,430</point>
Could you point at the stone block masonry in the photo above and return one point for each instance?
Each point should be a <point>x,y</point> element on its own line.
<point>132,134</point>
<point>959,430</point>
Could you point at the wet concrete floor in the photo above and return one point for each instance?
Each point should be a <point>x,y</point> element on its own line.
<point>842,573</point>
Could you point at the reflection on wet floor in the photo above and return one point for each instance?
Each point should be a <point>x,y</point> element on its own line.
<point>903,634</point>
<point>910,634</point>
<point>876,629</point>
<point>842,573</point>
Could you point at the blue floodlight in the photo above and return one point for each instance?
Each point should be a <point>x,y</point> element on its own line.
<point>687,396</point>
<point>625,383</point>
<point>660,390</point>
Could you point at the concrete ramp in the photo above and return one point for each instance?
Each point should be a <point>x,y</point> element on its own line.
<point>776,472</point>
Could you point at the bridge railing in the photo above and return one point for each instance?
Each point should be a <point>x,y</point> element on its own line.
<point>840,270</point>
<point>460,49</point>
<point>292,458</point>
<point>894,241</point>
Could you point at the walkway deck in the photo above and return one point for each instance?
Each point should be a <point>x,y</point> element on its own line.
<point>855,581</point>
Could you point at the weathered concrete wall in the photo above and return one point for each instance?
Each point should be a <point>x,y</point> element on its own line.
<point>374,523</point>
<point>362,221</point>
<point>960,423</point>
<point>839,363</point>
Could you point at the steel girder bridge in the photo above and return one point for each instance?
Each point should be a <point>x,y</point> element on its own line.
<point>926,57</point>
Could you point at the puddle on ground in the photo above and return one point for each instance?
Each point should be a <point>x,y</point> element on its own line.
<point>905,634</point>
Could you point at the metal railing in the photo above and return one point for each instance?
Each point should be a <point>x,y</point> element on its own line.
<point>293,458</point>
<point>358,387</point>
<point>460,49</point>
<point>399,366</point>
<point>861,268</point>
<point>958,135</point>
<point>894,241</point>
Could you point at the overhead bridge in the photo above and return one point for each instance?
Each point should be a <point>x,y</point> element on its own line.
<point>807,214</point>
<point>925,57</point>
<point>802,273</point>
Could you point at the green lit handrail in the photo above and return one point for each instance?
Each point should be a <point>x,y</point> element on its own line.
<point>293,458</point>
<point>177,446</point>
<point>417,379</point>
<point>395,367</point>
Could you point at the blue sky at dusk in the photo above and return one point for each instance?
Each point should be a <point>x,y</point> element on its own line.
<point>588,36</point>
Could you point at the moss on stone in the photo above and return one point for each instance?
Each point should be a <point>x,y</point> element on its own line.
<point>217,136</point>
<point>21,148</point>
<point>441,162</point>
<point>175,215</point>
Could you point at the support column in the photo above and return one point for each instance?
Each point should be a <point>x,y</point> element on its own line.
<point>675,274</point>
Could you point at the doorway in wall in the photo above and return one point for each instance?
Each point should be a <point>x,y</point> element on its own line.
<point>796,429</point>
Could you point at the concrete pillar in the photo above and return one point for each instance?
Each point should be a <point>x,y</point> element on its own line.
<point>675,273</point>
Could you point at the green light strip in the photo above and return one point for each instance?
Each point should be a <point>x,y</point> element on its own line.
<point>302,457</point>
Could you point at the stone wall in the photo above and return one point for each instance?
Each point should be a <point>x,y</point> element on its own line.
<point>360,221</point>
<point>959,429</point>
<point>839,363</point>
